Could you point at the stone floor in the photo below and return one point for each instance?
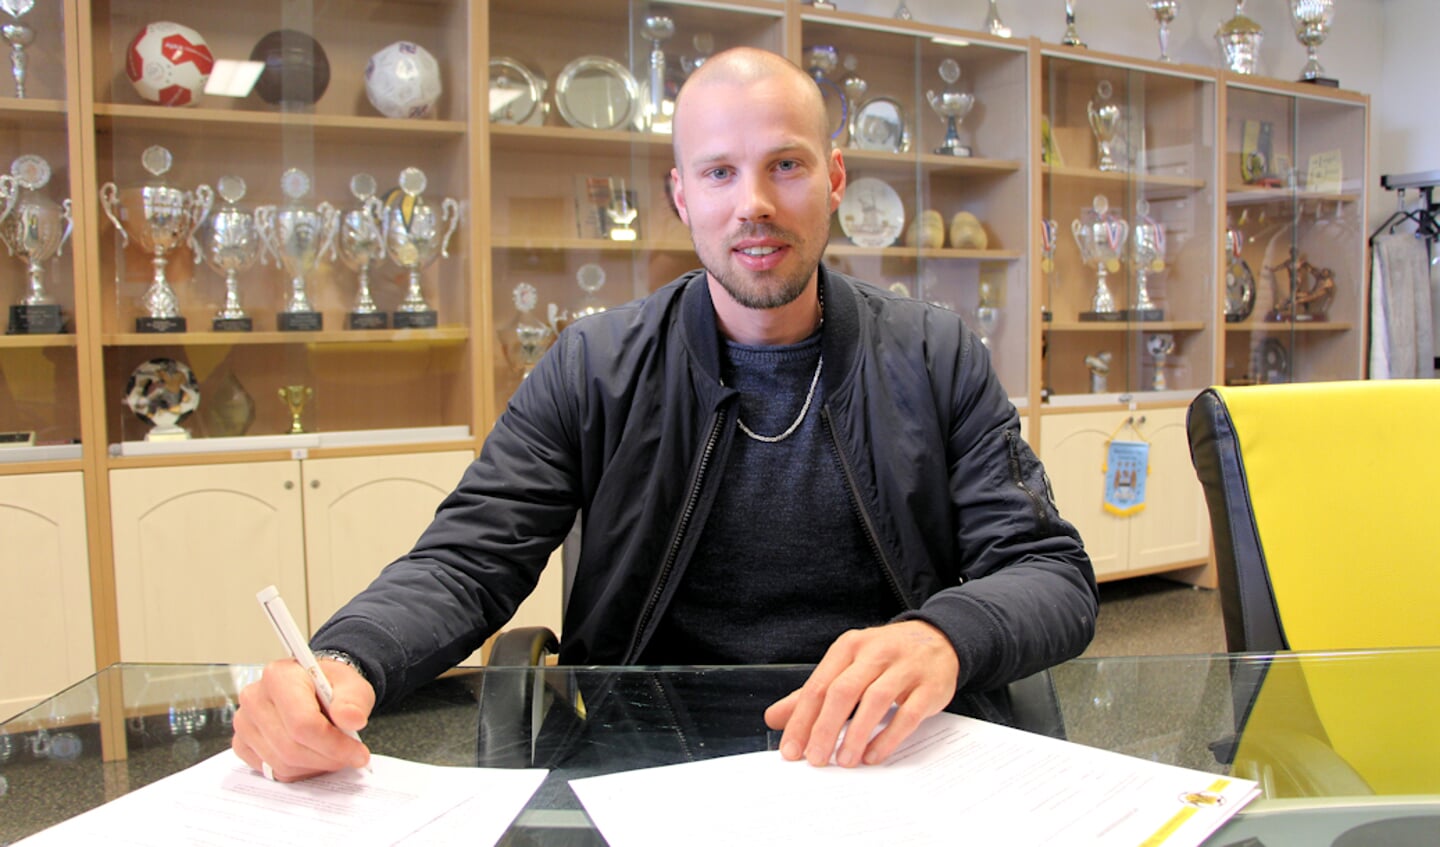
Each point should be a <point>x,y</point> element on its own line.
<point>1152,615</point>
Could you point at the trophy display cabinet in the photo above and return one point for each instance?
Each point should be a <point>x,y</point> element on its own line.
<point>247,318</point>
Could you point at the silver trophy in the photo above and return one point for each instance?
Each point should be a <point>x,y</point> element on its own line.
<point>993,24</point>
<point>1147,253</point>
<point>296,236</point>
<point>229,244</point>
<point>1101,237</point>
<point>1312,23</point>
<point>591,278</point>
<point>1164,14</point>
<point>820,61</point>
<point>525,338</point>
<point>1104,121</point>
<point>952,107</point>
<point>657,28</point>
<point>162,217</point>
<point>987,313</point>
<point>362,244</point>
<point>1239,39</point>
<point>34,229</point>
<point>1071,38</point>
<point>411,226</point>
<point>20,36</point>
<point>1160,346</point>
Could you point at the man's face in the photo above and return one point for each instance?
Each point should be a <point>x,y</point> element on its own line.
<point>756,182</point>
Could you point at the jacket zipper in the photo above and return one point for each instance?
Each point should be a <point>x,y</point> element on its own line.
<point>673,552</point>
<point>1042,517</point>
<point>863,516</point>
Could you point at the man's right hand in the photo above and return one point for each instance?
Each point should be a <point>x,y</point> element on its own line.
<point>279,722</point>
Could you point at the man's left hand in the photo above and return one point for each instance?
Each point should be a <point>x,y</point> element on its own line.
<point>910,665</point>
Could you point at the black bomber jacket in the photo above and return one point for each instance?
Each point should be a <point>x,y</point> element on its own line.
<point>626,420</point>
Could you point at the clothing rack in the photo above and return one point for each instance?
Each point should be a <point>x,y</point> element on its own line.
<point>1426,216</point>
<point>1427,226</point>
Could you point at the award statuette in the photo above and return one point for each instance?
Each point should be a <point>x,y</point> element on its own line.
<point>162,217</point>
<point>295,397</point>
<point>362,245</point>
<point>1147,252</point>
<point>34,229</point>
<point>1312,23</point>
<point>1104,120</point>
<point>993,24</point>
<point>1239,39</point>
<point>591,278</point>
<point>1071,38</point>
<point>1160,346</point>
<point>1099,365</point>
<point>410,227</point>
<point>19,35</point>
<point>296,237</point>
<point>230,244</point>
<point>1164,14</point>
<point>820,60</point>
<point>525,338</point>
<point>1100,236</point>
<point>655,117</point>
<point>987,313</point>
<point>952,107</point>
<point>163,392</point>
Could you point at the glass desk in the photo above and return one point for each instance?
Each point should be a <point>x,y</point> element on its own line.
<point>1345,745</point>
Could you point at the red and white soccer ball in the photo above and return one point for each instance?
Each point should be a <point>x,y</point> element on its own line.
<point>403,81</point>
<point>169,63</point>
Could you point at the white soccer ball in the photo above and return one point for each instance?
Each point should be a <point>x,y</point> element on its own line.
<point>403,81</point>
<point>169,63</point>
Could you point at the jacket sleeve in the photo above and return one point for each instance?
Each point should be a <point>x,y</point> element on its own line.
<point>1026,597</point>
<point>481,555</point>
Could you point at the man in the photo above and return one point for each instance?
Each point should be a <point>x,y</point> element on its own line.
<point>774,462</point>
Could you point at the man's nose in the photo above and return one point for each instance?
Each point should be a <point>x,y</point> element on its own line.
<point>757,201</point>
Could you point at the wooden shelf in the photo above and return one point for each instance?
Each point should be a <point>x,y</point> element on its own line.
<point>31,105</point>
<point>564,244</point>
<point>1124,326</point>
<point>578,142</point>
<point>917,253</point>
<point>931,162</point>
<point>1259,195</point>
<point>30,342</point>
<point>246,123</point>
<point>440,335</point>
<point>1148,182</point>
<point>1281,327</point>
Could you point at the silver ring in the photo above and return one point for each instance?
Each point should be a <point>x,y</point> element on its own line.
<point>265,769</point>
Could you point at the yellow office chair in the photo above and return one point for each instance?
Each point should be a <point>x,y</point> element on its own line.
<point>1322,506</point>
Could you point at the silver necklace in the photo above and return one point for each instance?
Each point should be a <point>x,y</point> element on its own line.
<point>790,430</point>
<point>809,395</point>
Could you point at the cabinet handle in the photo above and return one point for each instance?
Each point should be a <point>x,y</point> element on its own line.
<point>289,484</point>
<point>314,483</point>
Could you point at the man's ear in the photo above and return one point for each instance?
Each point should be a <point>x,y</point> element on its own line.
<point>677,195</point>
<point>836,172</point>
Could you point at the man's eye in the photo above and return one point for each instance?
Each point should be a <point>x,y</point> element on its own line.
<point>787,165</point>
<point>719,173</point>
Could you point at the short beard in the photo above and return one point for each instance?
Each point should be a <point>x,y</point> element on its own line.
<point>784,290</point>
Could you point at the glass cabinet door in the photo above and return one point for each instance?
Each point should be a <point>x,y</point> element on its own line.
<point>1127,231</point>
<point>290,248</point>
<point>935,142</point>
<point>580,215</point>
<point>1295,260</point>
<point>39,357</point>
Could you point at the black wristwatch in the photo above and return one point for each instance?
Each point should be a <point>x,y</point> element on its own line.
<point>343,658</point>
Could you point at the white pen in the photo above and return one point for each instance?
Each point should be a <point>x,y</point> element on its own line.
<point>298,647</point>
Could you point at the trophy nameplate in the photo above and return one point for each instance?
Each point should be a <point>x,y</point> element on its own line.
<point>369,320</point>
<point>36,320</point>
<point>1153,314</point>
<point>21,438</point>
<point>300,321</point>
<point>232,324</point>
<point>1103,317</point>
<point>156,323</point>
<point>417,320</point>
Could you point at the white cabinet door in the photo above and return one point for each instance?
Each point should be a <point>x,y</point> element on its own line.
<point>362,513</point>
<point>47,640</point>
<point>1073,449</point>
<point>1174,528</point>
<point>193,545</point>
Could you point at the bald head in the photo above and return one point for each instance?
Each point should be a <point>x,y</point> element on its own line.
<point>747,66</point>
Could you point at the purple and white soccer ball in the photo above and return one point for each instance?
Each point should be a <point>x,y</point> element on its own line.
<point>403,81</point>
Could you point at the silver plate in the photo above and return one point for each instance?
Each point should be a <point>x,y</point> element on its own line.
<point>595,92</point>
<point>871,213</point>
<point>880,125</point>
<point>517,94</point>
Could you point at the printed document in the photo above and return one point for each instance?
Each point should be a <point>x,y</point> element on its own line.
<point>957,780</point>
<point>221,801</point>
